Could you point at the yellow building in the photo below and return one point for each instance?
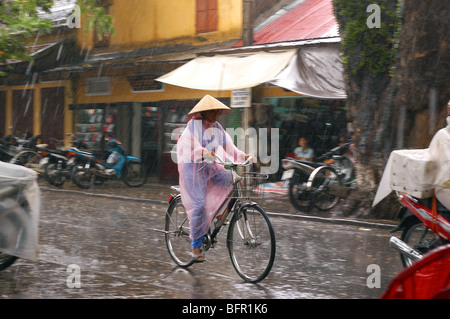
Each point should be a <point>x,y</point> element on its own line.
<point>81,84</point>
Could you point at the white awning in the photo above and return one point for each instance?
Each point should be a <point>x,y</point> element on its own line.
<point>229,72</point>
<point>315,71</point>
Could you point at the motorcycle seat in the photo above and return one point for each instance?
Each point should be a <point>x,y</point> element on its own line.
<point>84,152</point>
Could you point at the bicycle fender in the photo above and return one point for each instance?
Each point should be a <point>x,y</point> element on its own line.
<point>173,199</point>
<point>245,205</point>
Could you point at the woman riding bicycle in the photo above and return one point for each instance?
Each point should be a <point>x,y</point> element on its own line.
<point>204,185</point>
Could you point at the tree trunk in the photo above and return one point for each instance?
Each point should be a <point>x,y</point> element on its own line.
<point>368,60</point>
<point>422,73</point>
<point>388,112</point>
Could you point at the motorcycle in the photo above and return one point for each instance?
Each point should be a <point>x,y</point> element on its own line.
<point>118,165</point>
<point>59,164</point>
<point>29,154</point>
<point>318,184</point>
<point>11,146</point>
<point>8,147</point>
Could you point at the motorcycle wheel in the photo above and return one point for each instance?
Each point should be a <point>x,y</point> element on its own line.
<point>322,183</point>
<point>83,179</point>
<point>134,175</point>
<point>300,198</point>
<point>419,237</point>
<point>54,175</point>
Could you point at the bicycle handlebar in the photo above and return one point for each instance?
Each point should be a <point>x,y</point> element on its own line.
<point>247,162</point>
<point>218,160</point>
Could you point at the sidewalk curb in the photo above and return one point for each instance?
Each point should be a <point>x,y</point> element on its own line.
<point>339,221</point>
<point>148,200</point>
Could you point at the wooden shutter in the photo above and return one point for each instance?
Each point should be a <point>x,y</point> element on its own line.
<point>206,16</point>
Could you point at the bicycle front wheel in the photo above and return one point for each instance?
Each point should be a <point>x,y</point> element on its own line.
<point>177,231</point>
<point>251,243</point>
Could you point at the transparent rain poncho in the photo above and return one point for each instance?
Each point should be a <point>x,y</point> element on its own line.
<point>203,191</point>
<point>20,202</point>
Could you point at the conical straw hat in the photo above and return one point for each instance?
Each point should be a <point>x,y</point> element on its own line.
<point>208,103</point>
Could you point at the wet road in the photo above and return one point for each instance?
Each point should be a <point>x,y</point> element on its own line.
<point>118,255</point>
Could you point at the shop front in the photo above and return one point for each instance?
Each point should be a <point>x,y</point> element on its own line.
<point>148,130</point>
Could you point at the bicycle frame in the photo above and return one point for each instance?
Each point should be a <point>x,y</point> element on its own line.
<point>228,206</point>
<point>228,209</point>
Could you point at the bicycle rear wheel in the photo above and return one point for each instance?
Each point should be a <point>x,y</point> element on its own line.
<point>177,230</point>
<point>251,243</point>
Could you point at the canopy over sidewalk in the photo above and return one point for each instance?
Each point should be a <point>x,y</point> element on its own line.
<point>313,71</point>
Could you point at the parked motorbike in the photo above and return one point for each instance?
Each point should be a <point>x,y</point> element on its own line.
<point>28,154</point>
<point>425,225</point>
<point>317,184</point>
<point>8,147</point>
<point>12,145</point>
<point>60,163</point>
<point>118,165</point>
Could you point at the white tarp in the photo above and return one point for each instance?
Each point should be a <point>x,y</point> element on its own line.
<point>419,172</point>
<point>229,72</point>
<point>20,201</point>
<point>316,71</point>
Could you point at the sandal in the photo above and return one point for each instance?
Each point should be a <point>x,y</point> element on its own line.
<point>198,258</point>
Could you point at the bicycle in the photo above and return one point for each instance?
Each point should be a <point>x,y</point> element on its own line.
<point>250,237</point>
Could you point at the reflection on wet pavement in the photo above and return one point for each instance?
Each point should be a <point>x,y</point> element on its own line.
<point>120,256</point>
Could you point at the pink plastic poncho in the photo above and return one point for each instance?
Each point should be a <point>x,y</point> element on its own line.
<point>202,192</point>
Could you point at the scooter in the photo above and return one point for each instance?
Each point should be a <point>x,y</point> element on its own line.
<point>425,225</point>
<point>59,163</point>
<point>11,146</point>
<point>118,165</point>
<point>319,184</point>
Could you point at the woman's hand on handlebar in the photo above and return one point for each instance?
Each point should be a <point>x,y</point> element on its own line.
<point>209,155</point>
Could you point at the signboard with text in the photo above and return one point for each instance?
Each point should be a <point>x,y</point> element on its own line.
<point>241,97</point>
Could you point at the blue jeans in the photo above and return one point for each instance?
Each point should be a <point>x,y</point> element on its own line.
<point>197,243</point>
